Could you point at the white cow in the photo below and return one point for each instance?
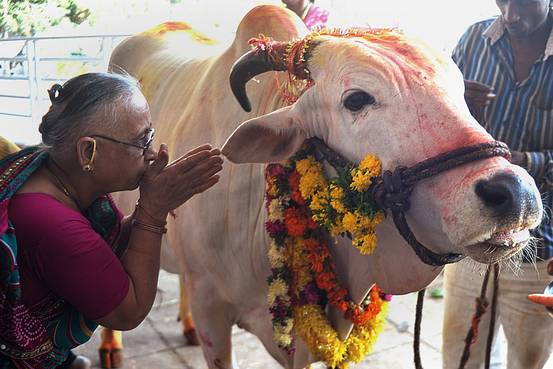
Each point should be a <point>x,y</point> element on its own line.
<point>387,95</point>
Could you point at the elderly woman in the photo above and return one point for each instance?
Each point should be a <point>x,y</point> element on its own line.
<point>69,260</point>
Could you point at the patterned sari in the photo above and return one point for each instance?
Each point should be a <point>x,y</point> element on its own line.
<point>39,336</point>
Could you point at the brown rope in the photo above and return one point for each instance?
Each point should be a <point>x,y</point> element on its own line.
<point>417,338</point>
<point>393,189</point>
<point>472,334</point>
<point>481,307</point>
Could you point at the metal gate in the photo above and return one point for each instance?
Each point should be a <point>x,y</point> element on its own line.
<point>30,65</point>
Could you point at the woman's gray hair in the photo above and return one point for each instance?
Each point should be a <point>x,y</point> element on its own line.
<point>82,105</point>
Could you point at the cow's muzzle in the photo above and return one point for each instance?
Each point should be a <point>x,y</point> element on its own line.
<point>392,190</point>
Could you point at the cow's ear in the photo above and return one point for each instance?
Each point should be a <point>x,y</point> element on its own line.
<point>266,139</point>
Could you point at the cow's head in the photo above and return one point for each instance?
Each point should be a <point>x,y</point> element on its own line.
<point>377,91</point>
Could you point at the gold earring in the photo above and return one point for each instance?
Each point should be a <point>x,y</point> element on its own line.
<point>93,151</point>
<point>87,168</point>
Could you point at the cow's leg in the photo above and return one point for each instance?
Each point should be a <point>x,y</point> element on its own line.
<point>259,323</point>
<point>213,326</point>
<point>111,349</point>
<point>189,330</point>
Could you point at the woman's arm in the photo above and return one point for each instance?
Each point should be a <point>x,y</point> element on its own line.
<point>163,188</point>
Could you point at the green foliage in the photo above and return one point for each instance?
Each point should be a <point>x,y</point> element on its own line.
<point>27,17</point>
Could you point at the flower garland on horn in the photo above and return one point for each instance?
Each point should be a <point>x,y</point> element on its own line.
<point>302,204</point>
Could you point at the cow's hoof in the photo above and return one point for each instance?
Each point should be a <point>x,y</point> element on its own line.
<point>80,362</point>
<point>105,358</point>
<point>117,358</point>
<point>191,337</point>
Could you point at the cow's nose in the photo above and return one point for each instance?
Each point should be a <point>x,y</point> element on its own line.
<point>503,193</point>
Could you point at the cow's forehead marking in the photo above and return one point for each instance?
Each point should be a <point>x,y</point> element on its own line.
<point>391,43</point>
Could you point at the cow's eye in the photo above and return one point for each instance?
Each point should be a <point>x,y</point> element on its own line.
<point>357,100</point>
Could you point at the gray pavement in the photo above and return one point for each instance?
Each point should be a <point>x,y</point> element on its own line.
<point>158,342</point>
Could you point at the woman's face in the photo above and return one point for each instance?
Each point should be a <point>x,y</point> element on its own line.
<point>523,17</point>
<point>120,165</point>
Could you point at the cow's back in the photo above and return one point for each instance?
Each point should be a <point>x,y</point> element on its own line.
<point>186,85</point>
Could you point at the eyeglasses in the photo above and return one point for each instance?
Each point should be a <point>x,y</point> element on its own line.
<point>146,140</point>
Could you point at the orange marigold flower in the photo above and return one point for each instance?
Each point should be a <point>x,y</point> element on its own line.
<point>317,267</point>
<point>295,223</point>
<point>311,243</point>
<point>326,281</point>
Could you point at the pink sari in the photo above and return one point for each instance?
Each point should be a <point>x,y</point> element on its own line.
<point>315,17</point>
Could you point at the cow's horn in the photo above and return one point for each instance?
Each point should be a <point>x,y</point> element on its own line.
<point>250,65</point>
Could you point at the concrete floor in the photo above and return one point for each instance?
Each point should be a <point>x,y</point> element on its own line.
<point>158,342</point>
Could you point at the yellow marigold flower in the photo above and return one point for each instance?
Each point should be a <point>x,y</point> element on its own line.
<point>349,222</point>
<point>336,192</point>
<point>304,165</point>
<point>371,164</point>
<point>303,277</point>
<point>360,180</point>
<point>377,219</point>
<point>271,187</point>
<point>278,288</point>
<point>365,244</point>
<point>285,328</point>
<point>363,221</point>
<point>282,340</point>
<point>336,196</point>
<point>318,203</point>
<point>277,258</point>
<point>361,176</point>
<point>310,182</point>
<point>319,217</point>
<point>275,210</point>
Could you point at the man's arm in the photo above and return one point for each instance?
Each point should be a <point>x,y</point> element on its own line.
<point>539,164</point>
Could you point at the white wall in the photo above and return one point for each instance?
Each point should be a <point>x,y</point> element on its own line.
<point>438,22</point>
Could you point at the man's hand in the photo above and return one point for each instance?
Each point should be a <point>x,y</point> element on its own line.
<point>477,96</point>
<point>518,158</point>
<point>545,299</point>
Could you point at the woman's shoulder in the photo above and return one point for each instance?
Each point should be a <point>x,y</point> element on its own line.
<point>37,210</point>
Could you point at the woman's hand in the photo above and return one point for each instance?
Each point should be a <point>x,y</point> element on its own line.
<point>165,187</point>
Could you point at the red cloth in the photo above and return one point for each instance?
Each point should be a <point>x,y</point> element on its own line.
<point>62,254</point>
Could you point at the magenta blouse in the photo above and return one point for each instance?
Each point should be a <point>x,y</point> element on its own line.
<point>60,253</point>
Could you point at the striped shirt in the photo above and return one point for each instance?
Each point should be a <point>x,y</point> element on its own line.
<point>521,115</point>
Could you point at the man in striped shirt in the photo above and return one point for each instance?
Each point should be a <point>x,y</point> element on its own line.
<point>507,63</point>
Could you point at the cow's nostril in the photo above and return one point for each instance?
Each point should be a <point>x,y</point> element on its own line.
<point>499,193</point>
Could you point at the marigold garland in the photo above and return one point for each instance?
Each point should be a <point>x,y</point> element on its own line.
<point>299,199</point>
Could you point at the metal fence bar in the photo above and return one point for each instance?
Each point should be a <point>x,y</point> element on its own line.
<point>76,58</point>
<point>50,79</point>
<point>15,58</point>
<point>15,96</point>
<point>17,115</point>
<point>18,78</point>
<point>30,68</point>
<point>64,37</point>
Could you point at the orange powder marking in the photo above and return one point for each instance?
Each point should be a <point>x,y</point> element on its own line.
<point>392,40</point>
<point>168,27</point>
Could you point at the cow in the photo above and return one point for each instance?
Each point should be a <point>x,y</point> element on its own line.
<point>380,92</point>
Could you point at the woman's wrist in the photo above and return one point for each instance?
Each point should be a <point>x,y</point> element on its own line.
<point>137,223</point>
<point>149,215</point>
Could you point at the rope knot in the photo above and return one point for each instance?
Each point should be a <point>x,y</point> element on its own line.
<point>390,191</point>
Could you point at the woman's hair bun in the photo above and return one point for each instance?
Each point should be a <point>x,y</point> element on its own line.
<point>55,93</point>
